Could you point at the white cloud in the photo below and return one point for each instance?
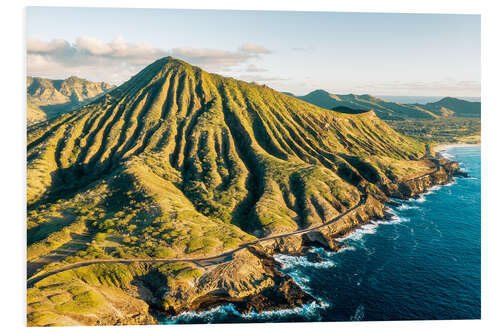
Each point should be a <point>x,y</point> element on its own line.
<point>38,46</point>
<point>259,78</point>
<point>254,69</point>
<point>254,49</point>
<point>211,58</point>
<point>89,57</point>
<point>93,45</point>
<point>119,59</point>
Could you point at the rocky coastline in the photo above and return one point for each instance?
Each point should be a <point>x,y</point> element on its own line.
<point>252,280</point>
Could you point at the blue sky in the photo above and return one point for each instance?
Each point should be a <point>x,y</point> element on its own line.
<point>380,54</point>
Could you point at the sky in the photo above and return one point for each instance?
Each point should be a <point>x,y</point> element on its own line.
<point>298,52</point>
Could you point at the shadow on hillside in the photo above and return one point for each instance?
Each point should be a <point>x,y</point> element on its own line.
<point>345,109</point>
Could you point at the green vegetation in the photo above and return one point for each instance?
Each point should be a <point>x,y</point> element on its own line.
<point>64,297</point>
<point>179,163</point>
<point>447,129</point>
<point>447,120</point>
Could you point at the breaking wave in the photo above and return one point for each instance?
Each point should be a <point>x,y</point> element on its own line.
<point>287,261</point>
<point>229,313</point>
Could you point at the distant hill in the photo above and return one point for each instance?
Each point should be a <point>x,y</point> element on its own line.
<point>454,106</point>
<point>395,111</point>
<point>48,98</point>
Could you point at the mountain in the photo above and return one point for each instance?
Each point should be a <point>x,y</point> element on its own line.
<point>48,98</point>
<point>181,163</point>
<point>453,106</point>
<point>383,109</point>
<point>395,111</point>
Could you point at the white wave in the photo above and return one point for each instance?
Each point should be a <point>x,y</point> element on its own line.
<point>301,280</point>
<point>434,188</point>
<point>446,155</point>
<point>405,207</point>
<point>357,234</point>
<point>453,182</point>
<point>371,228</point>
<point>212,315</point>
<point>208,315</point>
<point>344,249</point>
<point>421,198</point>
<point>307,310</point>
<point>287,261</point>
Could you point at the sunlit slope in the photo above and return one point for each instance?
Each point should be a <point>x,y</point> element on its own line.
<point>178,161</point>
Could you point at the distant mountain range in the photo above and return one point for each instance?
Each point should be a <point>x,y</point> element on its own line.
<point>387,110</point>
<point>48,98</point>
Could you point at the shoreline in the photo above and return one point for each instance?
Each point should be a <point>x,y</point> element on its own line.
<point>284,293</point>
<point>443,146</point>
<point>164,319</point>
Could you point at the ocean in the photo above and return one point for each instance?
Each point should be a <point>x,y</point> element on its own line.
<point>425,263</point>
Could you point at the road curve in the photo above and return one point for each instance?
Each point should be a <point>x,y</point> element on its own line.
<point>206,261</point>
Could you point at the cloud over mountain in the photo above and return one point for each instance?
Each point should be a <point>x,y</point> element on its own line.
<point>118,60</point>
<point>254,49</point>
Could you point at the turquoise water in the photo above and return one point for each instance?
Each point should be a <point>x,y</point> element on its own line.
<point>425,263</point>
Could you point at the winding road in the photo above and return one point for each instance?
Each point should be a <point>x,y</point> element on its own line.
<point>209,261</point>
<point>203,262</point>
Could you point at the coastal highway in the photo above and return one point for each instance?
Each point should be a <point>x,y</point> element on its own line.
<point>206,261</point>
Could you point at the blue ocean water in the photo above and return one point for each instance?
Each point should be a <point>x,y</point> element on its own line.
<point>425,263</point>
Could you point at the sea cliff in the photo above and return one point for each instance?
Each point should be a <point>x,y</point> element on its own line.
<point>252,280</point>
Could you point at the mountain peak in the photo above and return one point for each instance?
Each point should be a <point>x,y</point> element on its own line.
<point>319,92</point>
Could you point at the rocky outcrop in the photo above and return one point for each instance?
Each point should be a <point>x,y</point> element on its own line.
<point>444,172</point>
<point>251,281</point>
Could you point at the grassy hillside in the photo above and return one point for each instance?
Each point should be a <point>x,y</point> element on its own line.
<point>178,162</point>
<point>49,98</point>
<point>177,152</point>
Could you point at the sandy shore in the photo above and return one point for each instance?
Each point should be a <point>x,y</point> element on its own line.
<point>443,146</point>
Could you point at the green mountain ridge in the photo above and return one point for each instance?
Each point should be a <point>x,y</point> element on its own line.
<point>386,110</point>
<point>48,98</point>
<point>214,130</point>
<point>454,106</point>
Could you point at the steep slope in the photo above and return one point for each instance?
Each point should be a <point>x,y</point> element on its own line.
<point>233,151</point>
<point>48,98</point>
<point>383,109</point>
<point>180,163</point>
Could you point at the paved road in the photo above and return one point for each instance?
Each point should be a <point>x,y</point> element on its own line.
<point>206,261</point>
